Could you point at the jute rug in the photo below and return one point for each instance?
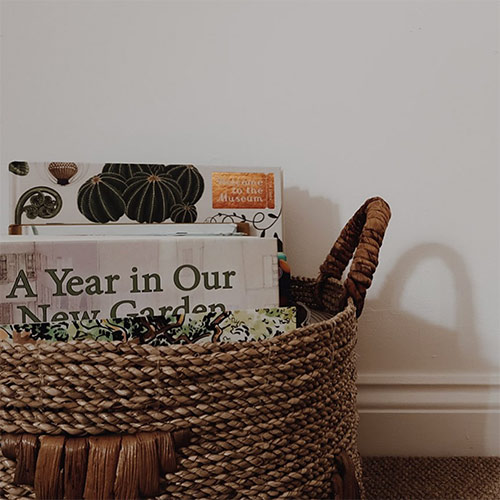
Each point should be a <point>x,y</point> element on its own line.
<point>429,478</point>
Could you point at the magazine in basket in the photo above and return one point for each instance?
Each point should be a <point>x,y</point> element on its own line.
<point>108,193</point>
<point>47,279</point>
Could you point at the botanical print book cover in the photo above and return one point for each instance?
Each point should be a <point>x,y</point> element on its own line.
<point>46,279</point>
<point>107,193</point>
<point>193,328</point>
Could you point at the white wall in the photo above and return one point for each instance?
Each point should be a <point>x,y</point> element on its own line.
<point>352,99</point>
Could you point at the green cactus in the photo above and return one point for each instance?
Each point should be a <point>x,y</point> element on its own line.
<point>151,196</point>
<point>128,170</point>
<point>100,199</point>
<point>190,180</point>
<point>183,213</point>
<point>152,168</point>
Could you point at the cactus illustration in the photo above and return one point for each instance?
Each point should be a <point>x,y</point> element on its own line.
<point>128,170</point>
<point>150,197</point>
<point>183,213</point>
<point>189,179</point>
<point>100,199</point>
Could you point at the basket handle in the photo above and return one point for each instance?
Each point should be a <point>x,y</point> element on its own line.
<point>362,237</point>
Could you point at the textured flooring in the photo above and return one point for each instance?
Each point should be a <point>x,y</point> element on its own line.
<point>430,478</point>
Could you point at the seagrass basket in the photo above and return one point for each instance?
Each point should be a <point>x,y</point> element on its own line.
<point>274,418</point>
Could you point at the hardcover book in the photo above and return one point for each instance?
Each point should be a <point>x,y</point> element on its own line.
<point>46,279</point>
<point>137,230</point>
<point>227,326</point>
<point>80,193</point>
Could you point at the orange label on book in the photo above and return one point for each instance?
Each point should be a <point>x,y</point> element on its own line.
<point>242,190</point>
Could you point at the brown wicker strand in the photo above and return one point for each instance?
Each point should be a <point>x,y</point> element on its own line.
<point>127,471</point>
<point>75,461</point>
<point>9,444</point>
<point>101,467</point>
<point>26,455</point>
<point>49,474</point>
<point>149,467</point>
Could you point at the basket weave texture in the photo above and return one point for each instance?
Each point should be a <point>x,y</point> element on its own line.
<point>265,419</point>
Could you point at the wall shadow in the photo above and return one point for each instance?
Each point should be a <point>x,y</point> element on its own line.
<point>395,342</point>
<point>427,343</point>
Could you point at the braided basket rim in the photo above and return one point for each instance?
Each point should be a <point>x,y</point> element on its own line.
<point>194,348</point>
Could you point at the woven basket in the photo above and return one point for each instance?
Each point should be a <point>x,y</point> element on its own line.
<point>275,418</point>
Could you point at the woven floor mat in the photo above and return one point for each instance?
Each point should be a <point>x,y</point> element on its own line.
<point>419,478</point>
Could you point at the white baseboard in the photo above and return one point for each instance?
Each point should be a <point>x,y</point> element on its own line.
<point>429,415</point>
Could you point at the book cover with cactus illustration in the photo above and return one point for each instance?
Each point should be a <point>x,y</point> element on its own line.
<point>45,279</point>
<point>108,193</point>
<point>227,326</point>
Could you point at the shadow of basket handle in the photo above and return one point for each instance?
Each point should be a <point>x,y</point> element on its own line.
<point>362,237</point>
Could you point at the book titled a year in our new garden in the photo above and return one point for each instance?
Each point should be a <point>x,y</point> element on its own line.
<point>50,279</point>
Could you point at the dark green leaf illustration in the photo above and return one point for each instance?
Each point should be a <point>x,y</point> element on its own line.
<point>150,197</point>
<point>100,198</point>
<point>41,201</point>
<point>19,167</point>
<point>190,180</point>
<point>183,214</point>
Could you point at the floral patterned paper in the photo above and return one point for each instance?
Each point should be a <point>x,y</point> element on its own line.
<point>228,326</point>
